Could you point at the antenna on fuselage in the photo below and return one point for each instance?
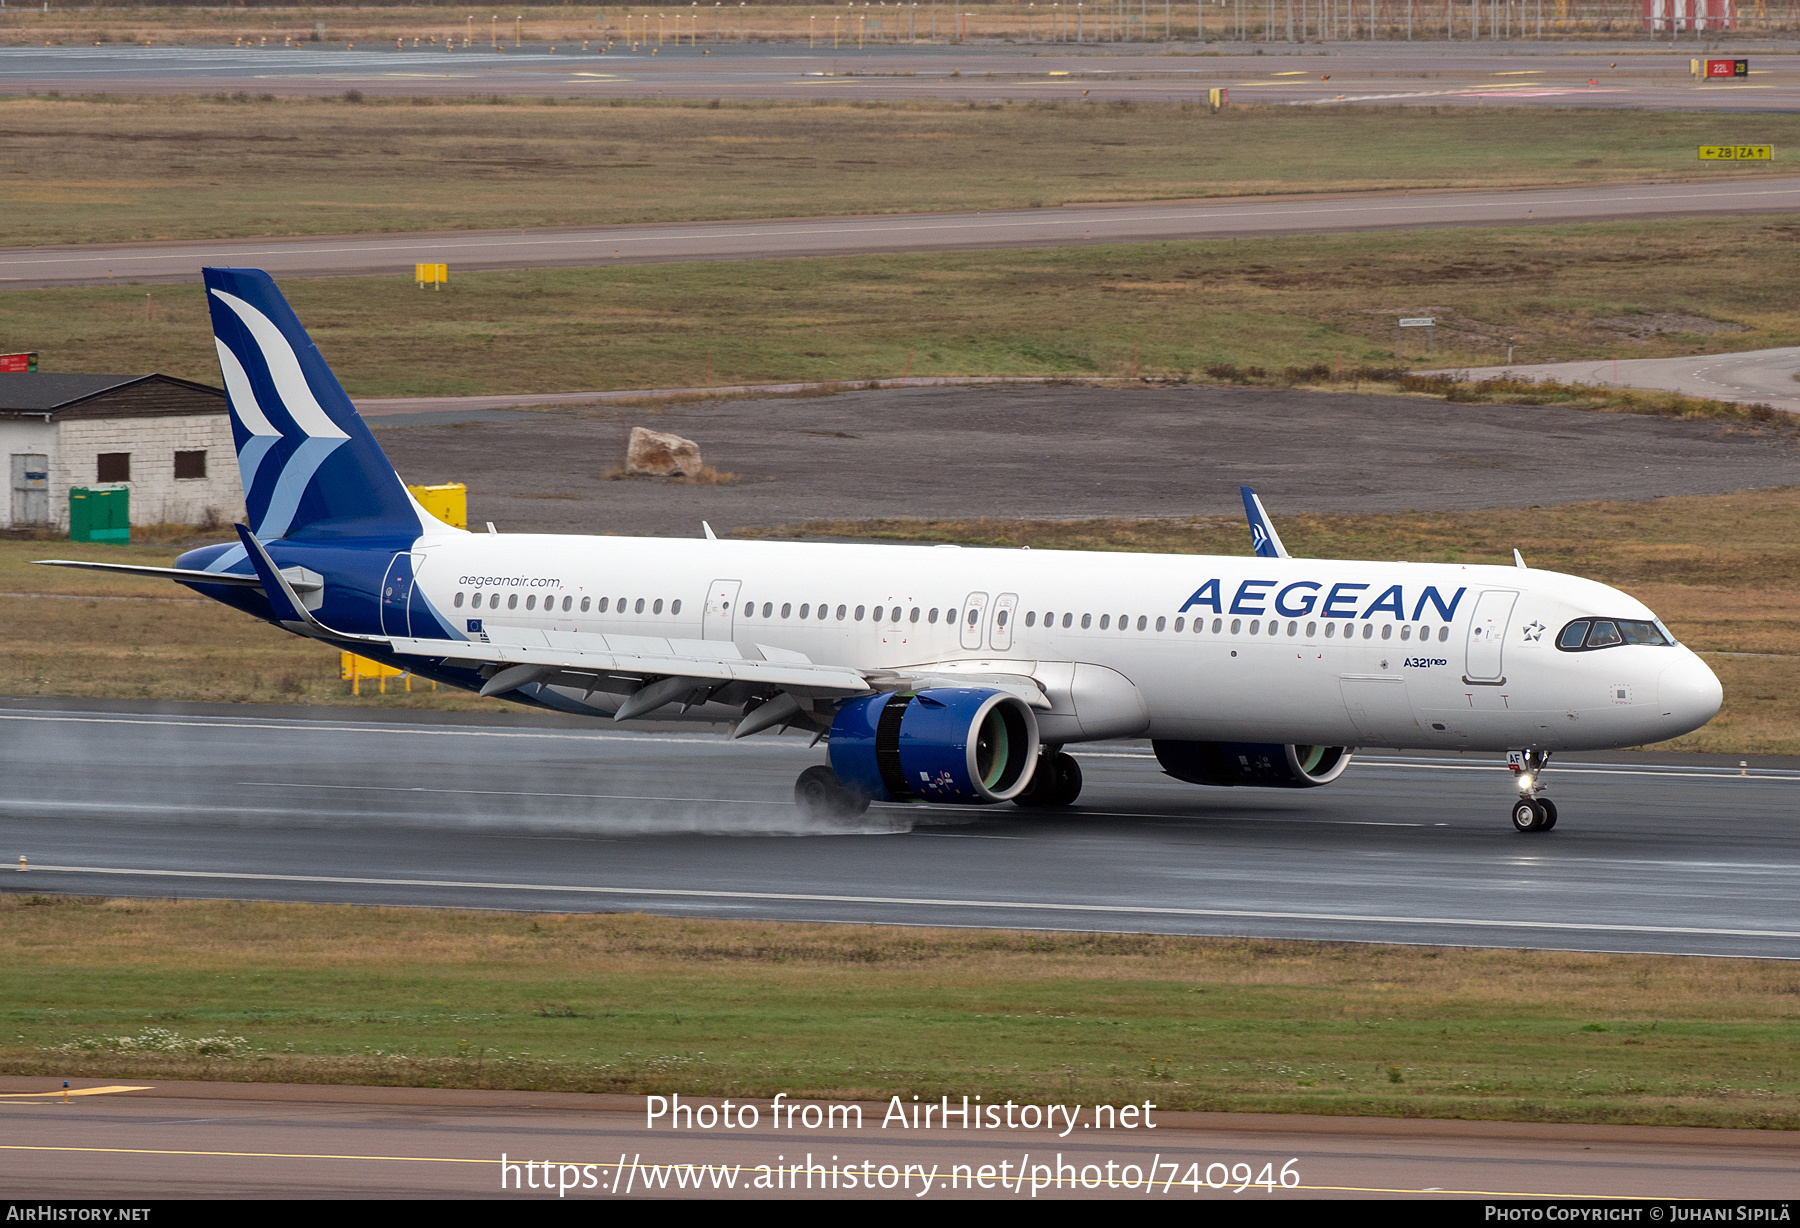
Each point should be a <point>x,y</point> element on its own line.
<point>710,535</point>
<point>1518,559</point>
<point>1265,542</point>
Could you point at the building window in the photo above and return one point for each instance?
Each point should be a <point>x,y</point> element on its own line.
<point>190,465</point>
<point>113,467</point>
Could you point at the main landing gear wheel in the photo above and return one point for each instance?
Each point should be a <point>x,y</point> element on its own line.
<point>821,795</point>
<point>1055,782</point>
<point>1534,814</point>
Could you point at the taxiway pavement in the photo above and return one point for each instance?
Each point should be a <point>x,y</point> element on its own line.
<point>183,1140</point>
<point>1766,377</point>
<point>677,242</point>
<point>1695,855</point>
<point>1639,73</point>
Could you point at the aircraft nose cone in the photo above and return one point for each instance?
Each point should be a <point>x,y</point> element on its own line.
<point>1689,694</point>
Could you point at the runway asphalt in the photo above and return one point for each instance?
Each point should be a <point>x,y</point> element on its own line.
<point>352,255</point>
<point>1652,854</point>
<point>184,1140</point>
<point>1065,452</point>
<point>1752,377</point>
<point>1630,73</point>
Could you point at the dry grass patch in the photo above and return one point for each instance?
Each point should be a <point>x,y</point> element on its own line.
<point>121,168</point>
<point>634,1003</point>
<point>1294,310</point>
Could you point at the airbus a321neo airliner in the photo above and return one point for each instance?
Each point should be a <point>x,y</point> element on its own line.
<point>943,675</point>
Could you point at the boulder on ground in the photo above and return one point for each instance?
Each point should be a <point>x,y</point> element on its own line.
<point>657,454</point>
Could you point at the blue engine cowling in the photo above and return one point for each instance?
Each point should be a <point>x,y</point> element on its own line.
<point>1268,764</point>
<point>963,746</point>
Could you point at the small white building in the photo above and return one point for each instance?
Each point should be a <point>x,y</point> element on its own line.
<point>165,439</point>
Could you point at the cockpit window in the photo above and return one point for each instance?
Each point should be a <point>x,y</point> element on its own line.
<point>1587,634</point>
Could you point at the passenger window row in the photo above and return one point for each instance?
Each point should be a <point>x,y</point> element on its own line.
<point>824,610</point>
<point>569,605</point>
<point>1238,626</point>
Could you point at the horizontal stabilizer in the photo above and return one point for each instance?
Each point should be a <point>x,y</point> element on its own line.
<point>185,575</point>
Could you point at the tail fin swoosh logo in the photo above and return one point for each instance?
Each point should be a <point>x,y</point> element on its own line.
<point>242,397</point>
<point>309,464</point>
<point>284,371</point>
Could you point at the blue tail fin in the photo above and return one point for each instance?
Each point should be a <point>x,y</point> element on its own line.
<point>310,467</point>
<point>1263,537</point>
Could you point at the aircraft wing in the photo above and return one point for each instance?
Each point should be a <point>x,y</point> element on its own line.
<point>523,663</point>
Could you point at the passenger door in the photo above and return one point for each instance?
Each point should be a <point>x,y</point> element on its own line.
<point>721,609</point>
<point>1487,636</point>
<point>974,609</point>
<point>1006,608</point>
<point>396,595</point>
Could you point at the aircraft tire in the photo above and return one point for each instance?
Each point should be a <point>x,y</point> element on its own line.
<point>821,795</point>
<point>1549,808</point>
<point>1527,815</point>
<point>1056,783</point>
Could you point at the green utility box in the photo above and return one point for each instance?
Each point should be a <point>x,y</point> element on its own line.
<point>99,515</point>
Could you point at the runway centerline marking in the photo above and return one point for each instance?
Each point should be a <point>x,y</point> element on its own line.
<point>928,902</point>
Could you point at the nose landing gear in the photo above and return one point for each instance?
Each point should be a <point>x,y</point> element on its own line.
<point>1532,812</point>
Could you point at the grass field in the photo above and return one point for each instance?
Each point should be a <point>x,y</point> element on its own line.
<point>1556,293</point>
<point>629,1003</point>
<point>82,170</point>
<point>1723,571</point>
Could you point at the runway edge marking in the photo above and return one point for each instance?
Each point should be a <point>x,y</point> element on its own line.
<point>924,902</point>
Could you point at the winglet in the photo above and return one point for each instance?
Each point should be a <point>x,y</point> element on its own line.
<point>1262,533</point>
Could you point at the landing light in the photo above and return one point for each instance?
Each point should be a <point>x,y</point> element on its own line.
<point>1524,782</point>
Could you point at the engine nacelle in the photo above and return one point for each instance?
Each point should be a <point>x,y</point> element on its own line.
<point>1268,764</point>
<point>962,746</point>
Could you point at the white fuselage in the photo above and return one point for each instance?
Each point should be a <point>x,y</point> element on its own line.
<point>1191,647</point>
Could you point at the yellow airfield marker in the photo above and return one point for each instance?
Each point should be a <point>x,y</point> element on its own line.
<point>66,1092</point>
